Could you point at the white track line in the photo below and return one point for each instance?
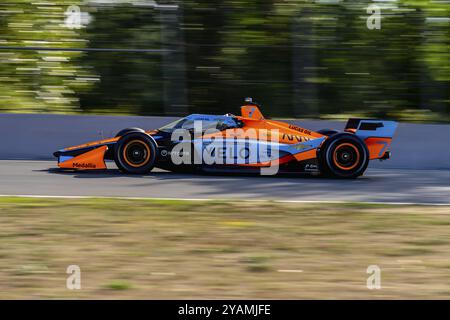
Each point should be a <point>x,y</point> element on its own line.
<point>226,200</point>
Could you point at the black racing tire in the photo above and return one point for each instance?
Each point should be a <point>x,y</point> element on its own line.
<point>344,156</point>
<point>135,153</point>
<point>128,130</point>
<point>327,132</point>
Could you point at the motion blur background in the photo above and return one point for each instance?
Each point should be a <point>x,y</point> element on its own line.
<point>299,59</point>
<point>312,59</point>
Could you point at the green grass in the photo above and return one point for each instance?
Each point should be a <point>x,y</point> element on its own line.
<point>162,249</point>
<point>118,285</point>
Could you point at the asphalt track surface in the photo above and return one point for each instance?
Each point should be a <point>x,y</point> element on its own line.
<point>40,178</point>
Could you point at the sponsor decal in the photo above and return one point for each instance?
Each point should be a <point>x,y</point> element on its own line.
<point>237,147</point>
<point>301,147</point>
<point>166,153</point>
<point>84,165</point>
<point>292,137</point>
<point>311,167</point>
<point>305,131</point>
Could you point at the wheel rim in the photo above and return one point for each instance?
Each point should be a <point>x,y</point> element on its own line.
<point>136,153</point>
<point>346,156</point>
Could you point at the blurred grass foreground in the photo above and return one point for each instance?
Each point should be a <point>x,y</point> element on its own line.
<point>161,249</point>
<point>299,58</point>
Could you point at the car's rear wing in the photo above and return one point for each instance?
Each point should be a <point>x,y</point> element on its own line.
<point>365,128</point>
<point>377,134</point>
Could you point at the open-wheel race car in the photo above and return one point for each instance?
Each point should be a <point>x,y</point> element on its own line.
<point>247,143</point>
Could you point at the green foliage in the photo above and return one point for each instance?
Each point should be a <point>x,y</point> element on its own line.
<point>127,82</point>
<point>38,80</point>
<point>298,58</point>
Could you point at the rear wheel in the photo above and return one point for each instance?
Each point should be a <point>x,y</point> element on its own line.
<point>343,155</point>
<point>135,153</point>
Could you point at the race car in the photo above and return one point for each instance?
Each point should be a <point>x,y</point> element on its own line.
<point>248,143</point>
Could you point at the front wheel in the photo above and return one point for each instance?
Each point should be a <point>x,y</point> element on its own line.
<point>128,130</point>
<point>343,155</point>
<point>135,153</point>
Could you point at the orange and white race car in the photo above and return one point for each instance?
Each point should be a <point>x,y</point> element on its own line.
<point>248,143</point>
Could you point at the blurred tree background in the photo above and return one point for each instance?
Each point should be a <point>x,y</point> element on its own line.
<point>298,58</point>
